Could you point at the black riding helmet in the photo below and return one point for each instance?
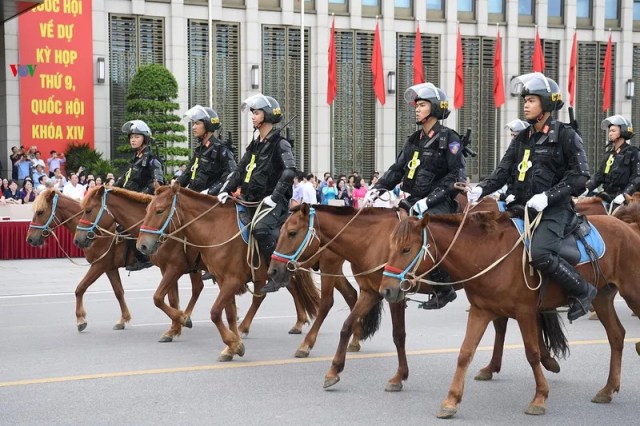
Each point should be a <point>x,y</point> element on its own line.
<point>207,115</point>
<point>432,94</point>
<point>271,107</point>
<point>538,84</point>
<point>137,127</point>
<point>626,128</point>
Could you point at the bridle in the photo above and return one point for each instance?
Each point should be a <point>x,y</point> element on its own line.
<point>160,232</point>
<point>400,274</point>
<point>93,225</point>
<point>292,259</point>
<point>46,231</point>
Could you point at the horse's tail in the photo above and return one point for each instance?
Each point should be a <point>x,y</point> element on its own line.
<point>553,334</point>
<point>308,293</point>
<point>371,321</point>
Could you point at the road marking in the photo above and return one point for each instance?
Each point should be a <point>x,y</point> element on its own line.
<point>88,293</point>
<point>275,362</point>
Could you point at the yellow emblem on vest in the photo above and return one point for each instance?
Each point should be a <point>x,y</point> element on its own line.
<point>413,164</point>
<point>609,164</point>
<point>250,167</point>
<point>524,165</point>
<point>194,168</point>
<point>126,177</point>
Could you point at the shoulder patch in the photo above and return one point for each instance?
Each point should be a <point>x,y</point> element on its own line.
<point>454,147</point>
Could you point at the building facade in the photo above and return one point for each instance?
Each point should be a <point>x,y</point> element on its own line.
<point>256,47</point>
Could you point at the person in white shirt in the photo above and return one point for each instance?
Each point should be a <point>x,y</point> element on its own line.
<point>309,189</point>
<point>73,189</point>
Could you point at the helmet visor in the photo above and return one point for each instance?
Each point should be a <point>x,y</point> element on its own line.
<point>197,113</point>
<point>137,127</point>
<point>535,81</point>
<point>258,101</point>
<point>617,120</point>
<point>516,125</point>
<point>421,91</point>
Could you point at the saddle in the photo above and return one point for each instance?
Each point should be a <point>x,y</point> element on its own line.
<point>244,221</point>
<point>582,243</point>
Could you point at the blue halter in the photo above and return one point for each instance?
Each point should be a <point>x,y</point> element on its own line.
<point>90,229</point>
<point>292,259</point>
<point>397,273</point>
<point>45,227</point>
<point>160,231</point>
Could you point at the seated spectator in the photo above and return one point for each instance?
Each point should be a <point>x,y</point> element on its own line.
<point>55,162</point>
<point>109,182</point>
<point>309,194</point>
<point>11,195</point>
<point>59,179</point>
<point>4,186</point>
<point>27,193</point>
<point>358,193</point>
<point>329,192</point>
<point>181,170</point>
<point>98,181</point>
<point>42,184</point>
<point>91,183</point>
<point>73,189</point>
<point>39,171</point>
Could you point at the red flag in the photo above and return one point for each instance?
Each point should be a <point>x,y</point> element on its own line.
<point>376,68</point>
<point>418,73</point>
<point>332,78</point>
<point>538,56</point>
<point>572,70</point>
<point>606,78</point>
<point>498,82</point>
<point>458,98</point>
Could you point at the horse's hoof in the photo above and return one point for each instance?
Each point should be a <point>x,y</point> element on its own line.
<point>118,326</point>
<point>551,364</point>
<point>601,398</point>
<point>295,331</point>
<point>302,353</point>
<point>484,375</point>
<point>638,348</point>
<point>330,381</point>
<point>535,410</point>
<point>240,350</point>
<point>187,323</point>
<point>353,348</point>
<point>82,326</point>
<point>244,334</point>
<point>225,358</point>
<point>446,412</point>
<point>593,316</point>
<point>165,339</point>
<point>393,387</point>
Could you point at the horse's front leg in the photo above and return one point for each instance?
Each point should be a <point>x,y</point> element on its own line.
<point>494,366</point>
<point>228,288</point>
<point>607,315</point>
<point>476,325</point>
<point>399,337</point>
<point>365,302</point>
<point>326,302</point>
<point>528,323</point>
<point>196,288</point>
<point>89,278</point>
<point>118,290</point>
<point>169,286</point>
<point>256,301</point>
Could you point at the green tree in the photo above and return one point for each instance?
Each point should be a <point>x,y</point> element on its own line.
<point>151,98</point>
<point>81,154</point>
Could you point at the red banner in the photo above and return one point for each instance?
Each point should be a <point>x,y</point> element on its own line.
<point>56,94</point>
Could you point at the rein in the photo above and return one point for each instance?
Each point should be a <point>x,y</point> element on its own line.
<point>93,225</point>
<point>46,231</point>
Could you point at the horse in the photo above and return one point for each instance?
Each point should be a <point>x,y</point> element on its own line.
<point>503,291</point>
<point>351,240</point>
<point>212,226</point>
<point>52,209</point>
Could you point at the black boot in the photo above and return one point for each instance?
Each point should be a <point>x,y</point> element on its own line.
<point>140,262</point>
<point>581,293</point>
<point>443,294</point>
<point>267,246</point>
<point>206,275</point>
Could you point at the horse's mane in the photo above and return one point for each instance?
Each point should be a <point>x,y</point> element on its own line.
<point>45,198</point>
<point>629,213</point>
<point>136,197</point>
<point>347,211</point>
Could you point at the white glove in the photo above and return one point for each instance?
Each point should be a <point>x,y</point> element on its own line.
<point>474,195</point>
<point>420,207</point>
<point>538,202</point>
<point>205,191</point>
<point>371,195</point>
<point>619,199</point>
<point>269,201</point>
<point>223,197</point>
<point>510,199</point>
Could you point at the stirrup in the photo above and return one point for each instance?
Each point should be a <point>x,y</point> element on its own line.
<point>438,301</point>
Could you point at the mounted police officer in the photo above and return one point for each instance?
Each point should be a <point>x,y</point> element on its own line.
<point>429,165</point>
<point>265,173</point>
<point>546,165</point>
<point>144,170</point>
<point>619,172</point>
<point>212,159</point>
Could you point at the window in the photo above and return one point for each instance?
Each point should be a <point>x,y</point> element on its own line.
<point>281,79</point>
<point>270,5</point>
<point>435,9</point>
<point>635,103</point>
<point>526,11</point>
<point>233,3</point>
<point>466,10</point>
<point>371,8</point>
<point>133,41</point>
<point>612,13</point>
<point>555,12</point>
<point>496,9</point>
<point>309,6</point>
<point>636,15</point>
<point>338,6</point>
<point>371,2</point>
<point>403,3</point>
<point>405,114</point>
<point>583,13</point>
<point>353,116</point>
<point>403,8</point>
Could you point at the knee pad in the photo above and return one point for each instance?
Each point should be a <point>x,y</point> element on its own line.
<point>546,264</point>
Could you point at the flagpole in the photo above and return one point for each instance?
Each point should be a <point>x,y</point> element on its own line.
<point>209,53</point>
<point>497,141</point>
<point>302,84</point>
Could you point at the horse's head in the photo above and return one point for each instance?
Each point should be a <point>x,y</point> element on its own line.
<point>159,214</point>
<point>94,206</point>
<point>44,213</point>
<point>407,252</point>
<point>296,243</point>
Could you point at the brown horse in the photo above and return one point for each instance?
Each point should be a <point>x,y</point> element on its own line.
<point>213,227</point>
<point>502,290</point>
<point>51,209</point>
<point>354,243</point>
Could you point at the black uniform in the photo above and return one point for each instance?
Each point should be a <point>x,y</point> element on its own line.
<point>143,171</point>
<point>619,172</point>
<point>267,168</point>
<point>441,164</point>
<point>211,164</point>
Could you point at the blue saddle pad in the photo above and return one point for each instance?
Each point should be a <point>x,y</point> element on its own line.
<point>593,238</point>
<point>245,227</point>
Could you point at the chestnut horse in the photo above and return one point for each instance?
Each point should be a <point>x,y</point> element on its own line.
<point>502,290</point>
<point>353,242</point>
<point>213,226</point>
<point>51,209</point>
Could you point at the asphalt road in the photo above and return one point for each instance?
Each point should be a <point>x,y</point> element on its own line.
<point>52,374</point>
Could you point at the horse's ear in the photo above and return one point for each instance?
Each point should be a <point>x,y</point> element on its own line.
<point>424,221</point>
<point>304,208</point>
<point>100,190</point>
<point>628,198</point>
<point>175,187</point>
